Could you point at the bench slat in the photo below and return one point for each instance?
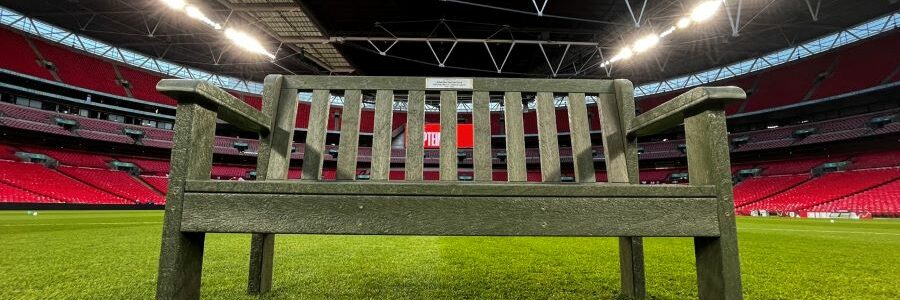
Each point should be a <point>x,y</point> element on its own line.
<point>415,143</point>
<point>548,142</point>
<point>448,215</point>
<point>447,188</point>
<point>579,131</point>
<point>349,143</point>
<point>448,161</point>
<point>313,153</point>
<point>515,137</point>
<point>381,136</point>
<point>481,120</point>
<point>418,83</point>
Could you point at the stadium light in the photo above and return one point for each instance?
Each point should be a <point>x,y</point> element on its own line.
<point>683,23</point>
<point>175,4</point>
<point>705,10</point>
<point>247,42</point>
<point>195,13</point>
<point>645,43</point>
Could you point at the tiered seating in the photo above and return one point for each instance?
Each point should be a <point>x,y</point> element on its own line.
<point>40,180</point>
<point>151,166</point>
<point>114,182</point>
<point>828,187</point>
<point>12,194</point>
<point>228,172</point>
<point>876,160</point>
<point>862,66</point>
<point>882,201</point>
<point>19,57</point>
<point>161,184</point>
<point>72,158</point>
<point>756,188</point>
<point>7,152</point>
<point>795,166</point>
<point>788,84</point>
<point>82,70</point>
<point>143,86</point>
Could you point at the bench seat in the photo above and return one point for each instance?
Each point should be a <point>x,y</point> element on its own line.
<point>449,208</point>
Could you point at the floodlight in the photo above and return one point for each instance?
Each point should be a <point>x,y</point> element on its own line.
<point>705,10</point>
<point>625,53</point>
<point>667,32</point>
<point>175,4</point>
<point>195,13</point>
<point>684,23</point>
<point>645,43</point>
<point>247,42</point>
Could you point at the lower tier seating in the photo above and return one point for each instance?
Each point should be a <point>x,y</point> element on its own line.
<point>38,179</point>
<point>829,187</point>
<point>882,201</point>
<point>115,182</point>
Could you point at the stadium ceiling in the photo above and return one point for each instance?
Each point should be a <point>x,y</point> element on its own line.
<point>534,38</point>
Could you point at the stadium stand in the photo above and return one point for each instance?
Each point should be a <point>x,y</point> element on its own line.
<point>38,179</point>
<point>82,70</point>
<point>829,187</point>
<point>114,182</point>
<point>13,194</point>
<point>161,184</point>
<point>756,188</point>
<point>72,158</point>
<point>881,201</point>
<point>143,86</point>
<point>19,57</point>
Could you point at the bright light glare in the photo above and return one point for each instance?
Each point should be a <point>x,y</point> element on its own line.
<point>626,53</point>
<point>195,13</point>
<point>645,43</point>
<point>684,23</point>
<point>667,32</point>
<point>705,10</point>
<point>247,42</point>
<point>175,4</point>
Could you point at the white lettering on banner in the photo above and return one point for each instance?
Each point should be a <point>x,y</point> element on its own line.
<point>432,139</point>
<point>449,83</point>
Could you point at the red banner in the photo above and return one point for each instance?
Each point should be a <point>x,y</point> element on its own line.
<point>464,136</point>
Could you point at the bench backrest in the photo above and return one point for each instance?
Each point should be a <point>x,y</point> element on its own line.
<point>614,97</point>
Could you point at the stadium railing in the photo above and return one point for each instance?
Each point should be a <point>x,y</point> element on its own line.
<point>622,208</point>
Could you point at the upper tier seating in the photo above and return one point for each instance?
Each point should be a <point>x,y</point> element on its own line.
<point>882,201</point>
<point>862,66</point>
<point>114,182</point>
<point>789,84</point>
<point>143,86</point>
<point>18,56</point>
<point>40,180</point>
<point>876,160</point>
<point>82,70</point>
<point>828,187</point>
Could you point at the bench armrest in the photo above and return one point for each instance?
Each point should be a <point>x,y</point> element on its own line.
<point>672,113</point>
<point>228,108</point>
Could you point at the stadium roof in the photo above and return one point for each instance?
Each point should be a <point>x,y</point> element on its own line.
<point>415,37</point>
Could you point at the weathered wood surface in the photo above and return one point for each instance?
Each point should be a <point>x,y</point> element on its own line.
<point>228,108</point>
<point>672,112</point>
<point>449,215</point>
<point>381,137</point>
<point>481,120</point>
<point>579,131</point>
<point>314,147</point>
<point>718,263</point>
<point>548,139</point>
<point>448,160</point>
<point>181,255</point>
<point>415,126</point>
<point>450,188</point>
<point>515,137</point>
<point>418,83</point>
<point>617,114</point>
<point>349,141</point>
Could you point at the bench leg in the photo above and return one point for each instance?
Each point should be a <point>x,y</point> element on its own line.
<point>180,265</point>
<point>718,268</point>
<point>631,265</point>
<point>262,249</point>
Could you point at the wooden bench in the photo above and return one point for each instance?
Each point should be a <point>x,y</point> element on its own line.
<point>621,208</point>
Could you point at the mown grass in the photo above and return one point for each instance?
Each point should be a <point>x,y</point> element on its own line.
<point>113,255</point>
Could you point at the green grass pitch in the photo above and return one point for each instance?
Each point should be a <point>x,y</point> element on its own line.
<point>113,255</point>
